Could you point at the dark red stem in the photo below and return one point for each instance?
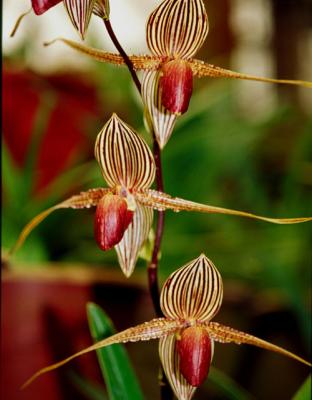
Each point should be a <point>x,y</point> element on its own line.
<point>123,54</point>
<point>152,270</point>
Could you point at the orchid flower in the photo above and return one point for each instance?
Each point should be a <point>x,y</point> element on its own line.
<point>124,210</point>
<point>79,12</point>
<point>189,300</point>
<point>175,32</point>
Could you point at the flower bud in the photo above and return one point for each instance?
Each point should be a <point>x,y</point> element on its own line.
<point>176,86</point>
<point>194,349</point>
<point>112,218</point>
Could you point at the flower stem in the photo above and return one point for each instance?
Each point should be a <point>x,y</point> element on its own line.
<point>152,270</point>
<point>124,55</point>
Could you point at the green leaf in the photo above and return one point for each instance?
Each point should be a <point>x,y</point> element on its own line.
<point>119,376</point>
<point>226,386</point>
<point>304,392</point>
<point>89,389</point>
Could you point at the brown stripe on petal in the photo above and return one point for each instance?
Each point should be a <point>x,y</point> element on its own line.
<point>101,8</point>
<point>125,159</point>
<point>79,12</point>
<point>133,239</point>
<point>162,119</point>
<point>177,28</point>
<point>193,292</point>
<point>171,364</point>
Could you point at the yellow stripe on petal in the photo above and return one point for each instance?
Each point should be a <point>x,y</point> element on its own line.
<point>153,329</point>
<point>177,28</point>
<point>101,8</point>
<point>79,12</point>
<point>163,121</point>
<point>134,237</point>
<point>193,292</point>
<point>171,364</point>
<point>125,159</point>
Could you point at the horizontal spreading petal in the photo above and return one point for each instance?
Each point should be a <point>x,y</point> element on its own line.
<point>133,239</point>
<point>202,69</point>
<point>177,28</point>
<point>162,201</point>
<point>83,200</point>
<point>143,62</point>
<point>153,329</point>
<point>224,334</point>
<point>163,121</point>
<point>171,364</point>
<point>193,292</point>
<point>124,158</point>
<point>79,12</point>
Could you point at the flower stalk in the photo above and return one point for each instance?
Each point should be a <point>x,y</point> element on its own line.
<point>190,298</point>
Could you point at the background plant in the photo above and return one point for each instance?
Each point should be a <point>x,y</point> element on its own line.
<point>245,170</point>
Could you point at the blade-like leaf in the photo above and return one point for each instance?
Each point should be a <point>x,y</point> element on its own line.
<point>201,69</point>
<point>163,121</point>
<point>133,239</point>
<point>305,390</point>
<point>224,334</point>
<point>177,28</point>
<point>119,376</point>
<point>226,386</point>
<point>193,292</point>
<point>154,329</point>
<point>83,200</point>
<point>170,361</point>
<point>125,159</point>
<point>90,390</point>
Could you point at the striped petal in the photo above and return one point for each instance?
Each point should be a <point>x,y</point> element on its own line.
<point>171,364</point>
<point>101,8</point>
<point>193,292</point>
<point>162,120</point>
<point>134,237</point>
<point>201,69</point>
<point>83,200</point>
<point>177,28</point>
<point>153,329</point>
<point>79,12</point>
<point>162,201</point>
<point>125,159</point>
<point>225,334</point>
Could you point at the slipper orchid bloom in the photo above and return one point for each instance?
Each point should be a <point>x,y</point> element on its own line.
<point>124,210</point>
<point>175,32</point>
<point>79,12</point>
<point>189,299</point>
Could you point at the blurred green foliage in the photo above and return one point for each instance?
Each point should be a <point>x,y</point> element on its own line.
<point>215,156</point>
